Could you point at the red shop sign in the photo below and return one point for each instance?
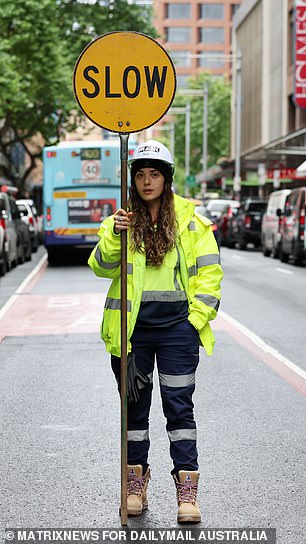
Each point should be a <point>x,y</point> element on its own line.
<point>300,53</point>
<point>284,173</point>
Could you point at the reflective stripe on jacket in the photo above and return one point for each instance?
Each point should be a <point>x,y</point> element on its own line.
<point>200,270</point>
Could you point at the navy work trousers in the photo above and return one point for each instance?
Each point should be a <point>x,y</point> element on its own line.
<point>176,350</point>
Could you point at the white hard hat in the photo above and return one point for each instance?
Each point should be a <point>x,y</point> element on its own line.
<point>153,150</point>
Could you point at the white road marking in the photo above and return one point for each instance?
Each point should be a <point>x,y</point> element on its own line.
<point>22,286</point>
<point>284,271</point>
<point>264,346</point>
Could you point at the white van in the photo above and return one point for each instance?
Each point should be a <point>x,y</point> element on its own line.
<point>271,223</point>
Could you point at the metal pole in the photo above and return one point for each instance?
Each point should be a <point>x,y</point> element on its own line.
<point>124,157</point>
<point>187,147</point>
<point>172,138</point>
<point>205,132</point>
<point>237,179</point>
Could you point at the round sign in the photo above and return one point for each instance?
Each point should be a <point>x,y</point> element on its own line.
<point>91,169</point>
<point>124,81</point>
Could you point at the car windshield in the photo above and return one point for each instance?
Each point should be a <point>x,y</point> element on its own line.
<point>217,206</point>
<point>257,207</point>
<point>22,208</point>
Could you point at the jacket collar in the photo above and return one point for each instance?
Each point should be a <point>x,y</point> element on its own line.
<point>184,210</point>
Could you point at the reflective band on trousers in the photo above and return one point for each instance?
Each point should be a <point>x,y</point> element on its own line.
<point>115,304</point>
<point>138,436</point>
<point>183,380</point>
<point>163,296</point>
<point>209,300</point>
<point>182,434</point>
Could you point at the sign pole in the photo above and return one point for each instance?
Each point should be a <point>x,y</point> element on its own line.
<point>119,90</point>
<point>124,157</point>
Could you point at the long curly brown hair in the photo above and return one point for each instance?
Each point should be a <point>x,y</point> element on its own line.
<point>157,240</point>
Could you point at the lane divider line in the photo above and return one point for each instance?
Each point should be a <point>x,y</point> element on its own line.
<point>270,355</point>
<point>22,287</point>
<point>284,271</point>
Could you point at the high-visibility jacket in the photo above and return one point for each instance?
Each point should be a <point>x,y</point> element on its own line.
<point>201,275</point>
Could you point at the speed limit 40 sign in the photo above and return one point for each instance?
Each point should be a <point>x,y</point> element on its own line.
<point>124,81</point>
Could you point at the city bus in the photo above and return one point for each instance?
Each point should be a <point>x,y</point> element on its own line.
<point>81,187</point>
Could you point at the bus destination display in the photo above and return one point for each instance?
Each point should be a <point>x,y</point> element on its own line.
<point>90,153</point>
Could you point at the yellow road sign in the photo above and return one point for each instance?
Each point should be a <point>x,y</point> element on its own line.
<point>124,81</point>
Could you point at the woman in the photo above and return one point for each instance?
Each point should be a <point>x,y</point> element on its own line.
<point>173,292</point>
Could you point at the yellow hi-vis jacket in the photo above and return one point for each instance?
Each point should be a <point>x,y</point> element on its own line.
<point>201,276</point>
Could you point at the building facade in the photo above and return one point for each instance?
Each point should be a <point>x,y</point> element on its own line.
<point>273,120</point>
<point>197,35</point>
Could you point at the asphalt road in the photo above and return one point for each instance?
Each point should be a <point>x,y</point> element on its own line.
<point>60,413</point>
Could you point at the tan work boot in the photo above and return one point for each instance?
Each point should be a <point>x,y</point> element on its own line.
<point>187,488</point>
<point>137,485</point>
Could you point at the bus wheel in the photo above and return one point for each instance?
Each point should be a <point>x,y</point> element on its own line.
<point>52,257</point>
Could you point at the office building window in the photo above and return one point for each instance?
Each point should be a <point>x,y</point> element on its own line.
<point>212,11</point>
<point>182,81</point>
<point>178,11</point>
<point>177,34</point>
<point>211,59</point>
<point>234,9</point>
<point>181,59</point>
<point>211,34</point>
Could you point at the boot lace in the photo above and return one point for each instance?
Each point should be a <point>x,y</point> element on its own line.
<point>135,485</point>
<point>186,492</point>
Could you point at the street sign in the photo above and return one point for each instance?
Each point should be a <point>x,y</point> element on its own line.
<point>91,169</point>
<point>124,81</point>
<point>191,180</point>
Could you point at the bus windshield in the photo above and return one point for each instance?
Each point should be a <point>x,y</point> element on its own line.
<point>82,186</point>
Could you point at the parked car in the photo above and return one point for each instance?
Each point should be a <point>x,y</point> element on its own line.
<point>8,248</point>
<point>224,221</point>
<point>271,223</point>
<point>201,210</point>
<point>246,225</point>
<point>3,262</point>
<point>216,206</point>
<point>29,215</point>
<point>293,227</point>
<point>24,247</point>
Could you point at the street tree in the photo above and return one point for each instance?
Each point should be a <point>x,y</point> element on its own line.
<point>40,43</point>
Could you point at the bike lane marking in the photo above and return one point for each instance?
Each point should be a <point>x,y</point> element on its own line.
<point>292,373</point>
<point>25,314</point>
<point>31,315</point>
<point>28,283</point>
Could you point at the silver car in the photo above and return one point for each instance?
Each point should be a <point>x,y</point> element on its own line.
<point>9,247</point>
<point>29,216</point>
